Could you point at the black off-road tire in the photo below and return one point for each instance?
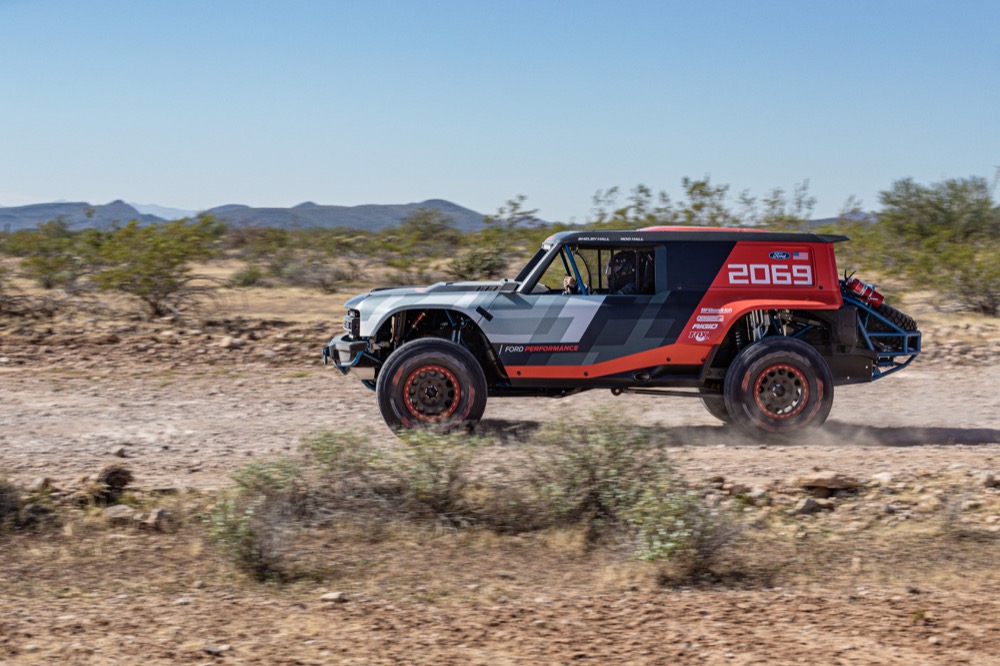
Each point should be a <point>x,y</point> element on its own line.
<point>431,383</point>
<point>778,386</point>
<point>904,321</point>
<point>715,403</point>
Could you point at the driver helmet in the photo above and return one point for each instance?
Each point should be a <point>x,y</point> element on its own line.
<point>621,270</point>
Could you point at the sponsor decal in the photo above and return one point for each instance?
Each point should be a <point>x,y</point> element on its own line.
<point>716,310</point>
<point>699,336</point>
<point>705,327</point>
<point>531,349</point>
<point>711,318</point>
<point>780,255</point>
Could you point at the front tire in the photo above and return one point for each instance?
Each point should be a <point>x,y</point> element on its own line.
<point>779,385</point>
<point>431,383</point>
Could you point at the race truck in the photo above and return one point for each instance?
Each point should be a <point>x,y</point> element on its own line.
<point>756,324</point>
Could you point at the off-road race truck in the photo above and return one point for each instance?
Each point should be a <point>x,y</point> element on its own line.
<point>755,323</point>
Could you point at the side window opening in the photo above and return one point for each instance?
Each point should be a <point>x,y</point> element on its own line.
<point>621,270</point>
<point>630,270</point>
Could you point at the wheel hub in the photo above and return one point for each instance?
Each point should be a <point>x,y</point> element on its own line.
<point>431,393</point>
<point>781,391</point>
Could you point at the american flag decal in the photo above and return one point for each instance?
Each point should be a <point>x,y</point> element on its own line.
<point>800,255</point>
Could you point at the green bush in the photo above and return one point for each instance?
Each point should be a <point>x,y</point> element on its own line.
<point>613,479</point>
<point>255,525</point>
<point>479,264</point>
<point>249,276</point>
<point>945,236</point>
<point>152,263</point>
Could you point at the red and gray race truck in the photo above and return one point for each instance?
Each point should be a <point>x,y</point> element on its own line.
<point>756,324</point>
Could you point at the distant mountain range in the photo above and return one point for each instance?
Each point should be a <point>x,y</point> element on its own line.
<point>373,217</point>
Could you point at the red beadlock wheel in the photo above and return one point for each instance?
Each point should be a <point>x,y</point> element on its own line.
<point>781,391</point>
<point>431,382</point>
<point>432,393</point>
<point>778,385</point>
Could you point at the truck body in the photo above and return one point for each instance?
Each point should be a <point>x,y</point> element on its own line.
<point>758,324</point>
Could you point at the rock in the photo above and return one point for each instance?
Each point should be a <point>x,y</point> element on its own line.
<point>217,650</point>
<point>115,476</point>
<point>882,478</point>
<point>119,515</point>
<point>183,601</point>
<point>826,504</point>
<point>230,343</point>
<point>990,481</point>
<point>118,452</point>
<point>736,489</point>
<point>158,520</point>
<point>334,598</point>
<point>929,504</point>
<point>40,484</point>
<point>828,480</point>
<point>32,514</point>
<point>716,481</point>
<point>805,506</point>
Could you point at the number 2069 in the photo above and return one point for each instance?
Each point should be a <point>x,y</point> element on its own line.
<point>795,274</point>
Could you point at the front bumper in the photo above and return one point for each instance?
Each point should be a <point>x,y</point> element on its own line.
<point>348,354</point>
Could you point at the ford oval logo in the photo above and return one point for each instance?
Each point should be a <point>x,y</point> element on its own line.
<point>780,255</point>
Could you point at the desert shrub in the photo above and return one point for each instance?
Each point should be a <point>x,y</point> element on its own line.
<point>152,263</point>
<point>618,480</point>
<point>596,470</point>
<point>248,276</point>
<point>53,256</point>
<point>434,470</point>
<point>255,525</point>
<point>5,286</point>
<point>10,505</point>
<point>677,527</point>
<point>313,272</point>
<point>945,235</point>
<point>421,239</point>
<point>612,478</point>
<point>479,264</point>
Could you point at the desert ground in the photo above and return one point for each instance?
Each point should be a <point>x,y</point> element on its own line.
<point>902,570</point>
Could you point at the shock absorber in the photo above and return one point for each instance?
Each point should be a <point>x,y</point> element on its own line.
<point>416,323</point>
<point>740,338</point>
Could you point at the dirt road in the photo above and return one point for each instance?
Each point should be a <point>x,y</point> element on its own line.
<point>189,424</point>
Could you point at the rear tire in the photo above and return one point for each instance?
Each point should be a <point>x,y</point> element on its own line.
<point>778,385</point>
<point>431,383</point>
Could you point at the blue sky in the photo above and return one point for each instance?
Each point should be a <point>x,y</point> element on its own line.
<point>194,104</point>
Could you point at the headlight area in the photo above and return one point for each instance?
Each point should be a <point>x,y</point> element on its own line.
<point>352,323</point>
